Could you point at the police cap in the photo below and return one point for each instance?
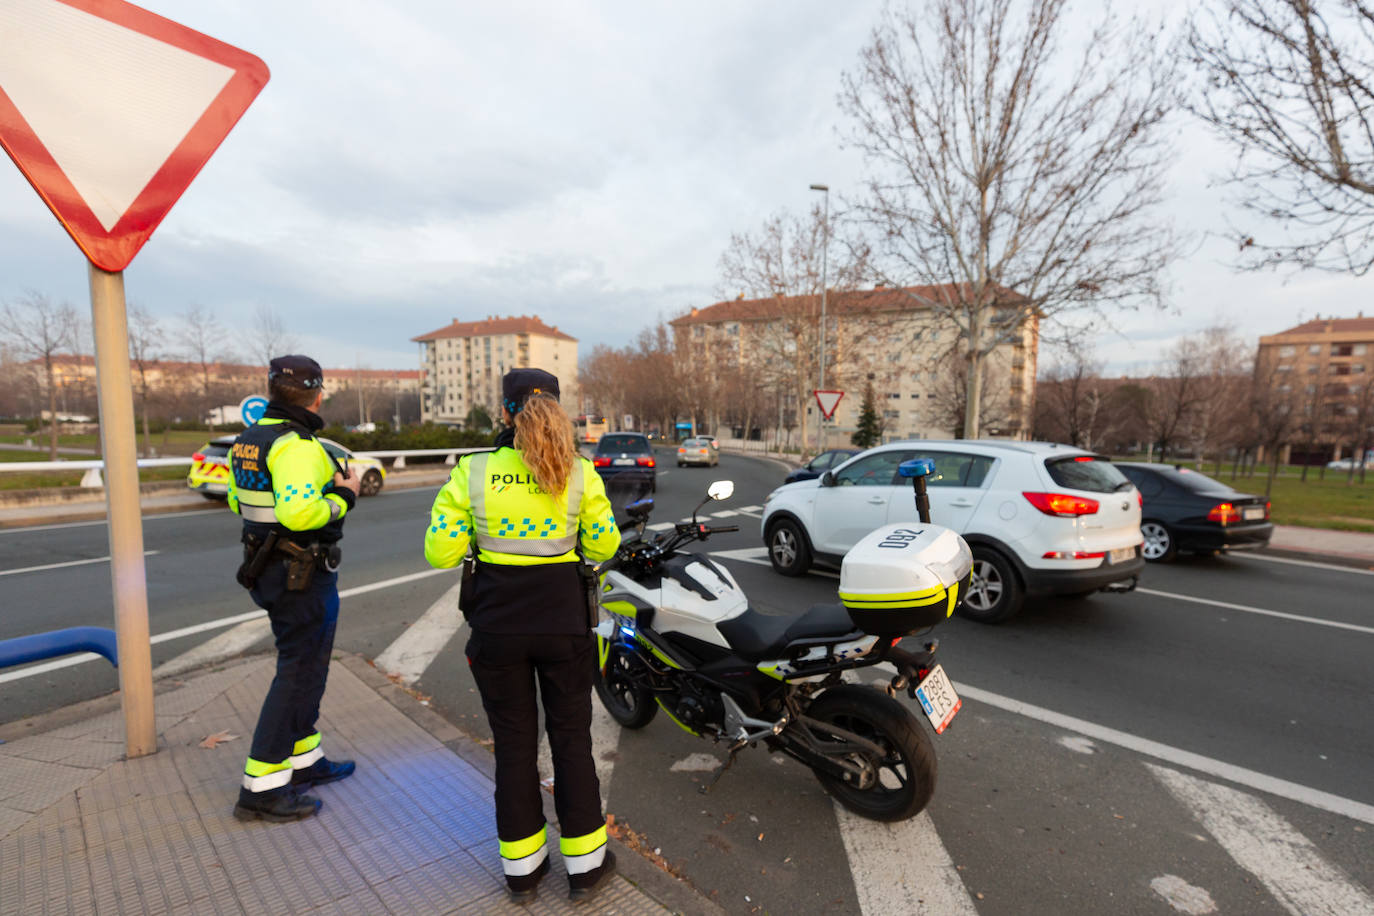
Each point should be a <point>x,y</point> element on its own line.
<point>295,372</point>
<point>519,384</point>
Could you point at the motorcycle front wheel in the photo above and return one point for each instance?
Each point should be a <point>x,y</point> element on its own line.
<point>901,780</point>
<point>628,703</point>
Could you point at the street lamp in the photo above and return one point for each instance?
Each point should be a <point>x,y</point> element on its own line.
<point>825,259</point>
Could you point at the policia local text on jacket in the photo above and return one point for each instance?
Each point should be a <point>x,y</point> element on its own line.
<point>283,486</point>
<point>529,622</point>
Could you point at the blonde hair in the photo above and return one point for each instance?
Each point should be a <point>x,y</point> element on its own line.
<point>544,436</point>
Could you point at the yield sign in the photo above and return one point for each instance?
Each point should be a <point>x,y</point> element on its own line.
<point>828,400</point>
<point>110,111</point>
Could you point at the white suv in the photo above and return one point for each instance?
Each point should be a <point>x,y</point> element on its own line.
<point>1042,519</point>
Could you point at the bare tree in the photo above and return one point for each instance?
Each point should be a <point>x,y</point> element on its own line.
<point>948,401</point>
<point>1017,180</point>
<point>1175,395</point>
<point>1274,410</point>
<point>202,340</point>
<point>39,329</point>
<point>1287,83</point>
<point>145,349</point>
<point>269,337</point>
<point>1071,399</point>
<point>1211,423</point>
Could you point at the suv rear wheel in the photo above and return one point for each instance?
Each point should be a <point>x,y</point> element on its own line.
<point>994,592</point>
<point>787,548</point>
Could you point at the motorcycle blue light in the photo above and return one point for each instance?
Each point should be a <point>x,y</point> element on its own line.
<point>628,631</point>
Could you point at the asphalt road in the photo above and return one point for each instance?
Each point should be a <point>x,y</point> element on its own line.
<point>1121,753</point>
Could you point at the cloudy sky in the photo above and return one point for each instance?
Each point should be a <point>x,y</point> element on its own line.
<point>416,162</point>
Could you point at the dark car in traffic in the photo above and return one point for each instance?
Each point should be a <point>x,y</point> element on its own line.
<point>821,463</point>
<point>1185,510</point>
<point>626,464</point>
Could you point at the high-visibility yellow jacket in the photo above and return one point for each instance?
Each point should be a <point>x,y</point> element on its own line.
<point>282,479</point>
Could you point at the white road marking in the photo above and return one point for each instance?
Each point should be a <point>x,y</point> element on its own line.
<point>147,518</point>
<point>1268,847</point>
<point>901,868</point>
<point>1309,563</point>
<point>1182,896</point>
<point>29,569</point>
<point>1317,621</point>
<point>418,645</point>
<point>1078,744</point>
<point>1292,791</point>
<point>758,556</point>
<point>661,526</point>
<point>605,744</point>
<point>219,624</point>
<point>725,513</point>
<point>234,641</point>
<point>696,763</point>
<point>750,508</point>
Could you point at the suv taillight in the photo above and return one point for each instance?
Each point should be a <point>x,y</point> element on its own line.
<point>644,462</point>
<point>601,462</point>
<point>1062,504</point>
<point>1224,513</point>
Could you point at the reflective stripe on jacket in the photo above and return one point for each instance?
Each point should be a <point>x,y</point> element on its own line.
<point>278,480</point>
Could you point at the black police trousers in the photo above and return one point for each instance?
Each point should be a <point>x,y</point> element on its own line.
<point>506,668</point>
<point>303,625</point>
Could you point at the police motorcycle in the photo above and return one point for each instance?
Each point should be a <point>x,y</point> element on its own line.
<point>676,633</point>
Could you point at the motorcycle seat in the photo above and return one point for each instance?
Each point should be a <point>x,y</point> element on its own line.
<point>759,636</point>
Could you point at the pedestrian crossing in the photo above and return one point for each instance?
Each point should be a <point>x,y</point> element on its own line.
<point>1245,855</point>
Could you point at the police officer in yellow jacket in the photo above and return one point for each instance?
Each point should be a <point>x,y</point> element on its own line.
<point>293,498</point>
<point>530,507</point>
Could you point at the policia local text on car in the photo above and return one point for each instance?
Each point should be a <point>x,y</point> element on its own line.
<point>293,498</point>
<point>533,508</point>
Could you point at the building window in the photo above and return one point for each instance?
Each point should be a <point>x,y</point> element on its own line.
<point>1284,367</point>
<point>1314,349</point>
<point>893,395</point>
<point>1288,351</point>
<point>1358,350</point>
<point>891,414</point>
<point>1341,349</point>
<point>914,395</point>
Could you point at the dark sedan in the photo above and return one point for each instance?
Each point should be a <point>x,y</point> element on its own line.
<point>821,463</point>
<point>626,463</point>
<point>1185,510</point>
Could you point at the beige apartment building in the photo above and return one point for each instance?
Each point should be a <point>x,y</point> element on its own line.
<point>461,364</point>
<point>882,336</point>
<point>1327,365</point>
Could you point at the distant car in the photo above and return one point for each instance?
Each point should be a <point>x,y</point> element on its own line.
<point>1345,464</point>
<point>626,463</point>
<point>821,463</point>
<point>700,450</point>
<point>1183,510</point>
<point>209,474</point>
<point>1041,519</point>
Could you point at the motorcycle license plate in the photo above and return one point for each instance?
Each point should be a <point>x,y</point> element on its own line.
<point>621,462</point>
<point>1121,555</point>
<point>937,697</point>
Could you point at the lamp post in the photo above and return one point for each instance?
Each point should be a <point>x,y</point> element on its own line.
<point>825,259</point>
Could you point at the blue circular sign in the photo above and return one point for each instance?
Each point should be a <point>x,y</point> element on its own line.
<point>251,408</point>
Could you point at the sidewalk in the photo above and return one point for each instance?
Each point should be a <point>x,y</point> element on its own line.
<point>1318,543</point>
<point>82,830</point>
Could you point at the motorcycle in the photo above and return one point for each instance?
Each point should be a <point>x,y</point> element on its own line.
<point>676,633</point>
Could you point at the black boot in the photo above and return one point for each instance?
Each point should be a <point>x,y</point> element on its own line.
<point>523,888</point>
<point>277,805</point>
<point>587,885</point>
<point>322,771</point>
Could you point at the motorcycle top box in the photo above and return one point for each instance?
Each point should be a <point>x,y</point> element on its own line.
<point>904,578</point>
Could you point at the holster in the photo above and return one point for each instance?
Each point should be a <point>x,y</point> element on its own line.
<point>300,564</point>
<point>256,552</point>
<point>591,593</point>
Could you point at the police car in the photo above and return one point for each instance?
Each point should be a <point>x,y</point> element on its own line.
<point>209,473</point>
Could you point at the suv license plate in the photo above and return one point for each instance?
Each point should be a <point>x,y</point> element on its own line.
<point>1121,555</point>
<point>621,462</point>
<point>937,697</point>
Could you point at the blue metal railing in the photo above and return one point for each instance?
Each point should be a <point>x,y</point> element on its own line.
<point>24,649</point>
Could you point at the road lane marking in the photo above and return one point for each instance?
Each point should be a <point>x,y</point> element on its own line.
<point>758,556</point>
<point>1261,611</point>
<point>29,569</point>
<point>661,526</point>
<point>147,518</point>
<point>1291,562</point>
<point>234,641</point>
<point>725,513</point>
<point>1268,847</point>
<point>219,624</point>
<point>901,868</point>
<point>1182,896</point>
<point>1346,807</point>
<point>416,648</point>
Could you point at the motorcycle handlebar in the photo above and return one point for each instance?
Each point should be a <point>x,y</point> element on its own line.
<point>722,529</point>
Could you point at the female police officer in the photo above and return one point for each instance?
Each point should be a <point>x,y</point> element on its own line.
<point>530,507</point>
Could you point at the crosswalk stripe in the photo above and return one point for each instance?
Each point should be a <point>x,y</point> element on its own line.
<point>1268,847</point>
<point>902,868</point>
<point>419,644</point>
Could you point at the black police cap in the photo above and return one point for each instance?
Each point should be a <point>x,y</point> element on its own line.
<point>519,384</point>
<point>295,372</point>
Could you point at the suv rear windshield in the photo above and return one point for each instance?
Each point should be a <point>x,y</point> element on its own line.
<point>215,450</point>
<point>1086,472</point>
<point>622,443</point>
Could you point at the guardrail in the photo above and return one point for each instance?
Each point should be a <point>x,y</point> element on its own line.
<point>401,454</point>
<point>24,649</point>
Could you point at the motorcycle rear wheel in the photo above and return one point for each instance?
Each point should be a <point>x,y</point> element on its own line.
<point>629,704</point>
<point>905,773</point>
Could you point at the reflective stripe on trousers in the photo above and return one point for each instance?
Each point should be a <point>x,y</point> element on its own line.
<point>581,854</point>
<point>521,546</point>
<point>259,776</point>
<point>522,857</point>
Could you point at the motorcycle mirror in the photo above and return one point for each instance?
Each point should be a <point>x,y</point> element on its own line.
<point>721,489</point>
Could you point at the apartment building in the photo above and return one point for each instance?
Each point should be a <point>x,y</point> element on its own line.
<point>886,337</point>
<point>1327,365</point>
<point>461,364</point>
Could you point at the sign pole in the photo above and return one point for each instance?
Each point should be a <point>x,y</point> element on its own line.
<point>118,442</point>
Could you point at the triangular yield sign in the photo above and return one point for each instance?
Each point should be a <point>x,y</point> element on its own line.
<point>828,400</point>
<point>111,111</point>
